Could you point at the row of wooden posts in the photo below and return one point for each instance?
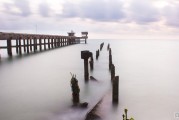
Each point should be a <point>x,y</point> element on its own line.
<point>30,45</point>
<point>115,79</point>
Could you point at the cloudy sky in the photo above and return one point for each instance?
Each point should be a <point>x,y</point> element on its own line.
<point>113,19</point>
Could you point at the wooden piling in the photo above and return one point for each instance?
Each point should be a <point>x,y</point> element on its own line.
<point>27,45</point>
<point>108,46</point>
<point>9,47</point>
<point>110,59</point>
<point>44,43</point>
<point>52,42</point>
<point>75,90</point>
<point>17,46</point>
<point>30,44</point>
<point>20,50</point>
<point>97,54</point>
<point>91,62</point>
<point>40,44</point>
<point>85,55</point>
<point>24,45</point>
<point>58,42</point>
<point>48,43</point>
<point>115,93</point>
<point>34,45</point>
<point>101,46</point>
<point>112,71</point>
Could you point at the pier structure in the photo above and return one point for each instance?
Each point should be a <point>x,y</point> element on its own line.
<point>37,42</point>
<point>84,36</point>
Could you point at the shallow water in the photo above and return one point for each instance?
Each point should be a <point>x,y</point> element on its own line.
<point>37,86</point>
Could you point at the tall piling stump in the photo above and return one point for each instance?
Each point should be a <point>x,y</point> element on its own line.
<point>115,90</point>
<point>75,90</point>
<point>85,55</point>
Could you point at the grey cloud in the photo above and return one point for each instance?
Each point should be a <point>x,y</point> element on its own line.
<point>104,10</point>
<point>22,5</point>
<point>44,10</point>
<point>143,12</point>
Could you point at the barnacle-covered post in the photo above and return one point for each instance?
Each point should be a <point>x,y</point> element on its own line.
<point>75,90</point>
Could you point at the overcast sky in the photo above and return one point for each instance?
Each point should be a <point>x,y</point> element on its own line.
<point>113,19</point>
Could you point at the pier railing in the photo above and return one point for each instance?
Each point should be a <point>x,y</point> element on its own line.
<point>33,42</point>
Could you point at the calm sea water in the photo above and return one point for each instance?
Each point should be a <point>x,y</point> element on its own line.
<point>37,86</point>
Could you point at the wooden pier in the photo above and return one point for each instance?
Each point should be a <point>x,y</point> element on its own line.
<point>38,42</point>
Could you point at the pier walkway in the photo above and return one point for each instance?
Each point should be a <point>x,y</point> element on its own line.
<point>33,42</point>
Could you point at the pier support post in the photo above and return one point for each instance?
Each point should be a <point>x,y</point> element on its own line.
<point>17,46</point>
<point>58,42</point>
<point>9,47</point>
<point>40,44</point>
<point>115,93</point>
<point>24,45</point>
<point>35,42</point>
<point>48,43</point>
<point>27,45</point>
<point>20,50</point>
<point>52,43</point>
<point>85,55</point>
<point>30,44</point>
<point>44,43</point>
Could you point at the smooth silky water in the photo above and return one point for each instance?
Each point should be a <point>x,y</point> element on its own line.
<point>37,86</point>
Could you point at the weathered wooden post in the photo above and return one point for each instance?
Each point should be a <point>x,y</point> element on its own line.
<point>24,45</point>
<point>20,50</point>
<point>110,59</point>
<point>40,44</point>
<point>58,42</point>
<point>75,90</point>
<point>101,46</point>
<point>97,54</point>
<point>35,45</point>
<point>17,46</point>
<point>48,43</point>
<point>91,61</point>
<point>9,47</point>
<point>52,42</point>
<point>27,45</point>
<point>85,55</point>
<point>30,44</point>
<point>44,43</point>
<point>108,46</point>
<point>115,92</point>
<point>112,71</point>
